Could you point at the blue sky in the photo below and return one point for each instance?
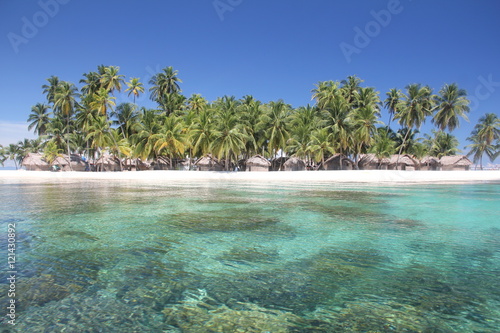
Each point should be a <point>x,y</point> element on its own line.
<point>268,49</point>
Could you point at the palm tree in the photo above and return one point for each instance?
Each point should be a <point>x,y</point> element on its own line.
<point>126,116</point>
<point>111,80</point>
<point>51,89</point>
<point>277,126</point>
<point>102,102</point>
<point>416,106</point>
<point>150,124</point>
<point>135,87</point>
<point>39,118</point>
<point>364,120</point>
<point>303,122</point>
<point>321,146</point>
<point>170,138</point>
<point>393,103</point>
<point>92,83</point>
<point>488,128</point>
<point>485,138</point>
<point>442,144</point>
<point>229,135</point>
<point>3,155</point>
<point>351,88</point>
<point>164,83</point>
<point>384,146</point>
<point>197,103</point>
<point>64,104</point>
<point>12,153</point>
<point>451,103</point>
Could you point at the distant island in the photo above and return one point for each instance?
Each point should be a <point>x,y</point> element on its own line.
<point>82,128</point>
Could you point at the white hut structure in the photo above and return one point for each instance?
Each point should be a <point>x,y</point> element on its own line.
<point>372,162</point>
<point>338,162</point>
<point>294,164</point>
<point>428,163</point>
<point>35,162</point>
<point>257,163</point>
<point>208,163</point>
<point>456,162</point>
<point>402,162</point>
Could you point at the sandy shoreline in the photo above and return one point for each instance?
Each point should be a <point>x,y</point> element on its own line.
<point>299,177</point>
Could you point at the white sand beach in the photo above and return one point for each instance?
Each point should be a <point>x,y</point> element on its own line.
<point>299,177</point>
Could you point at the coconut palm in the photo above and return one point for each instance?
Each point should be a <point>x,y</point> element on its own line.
<point>170,139</point>
<point>364,120</point>
<point>197,103</point>
<point>92,83</point>
<point>12,153</point>
<point>202,132</point>
<point>64,104</point>
<point>102,102</point>
<point>111,80</point>
<point>351,88</point>
<point>383,146</point>
<point>51,88</point>
<point>39,118</point>
<point>485,138</point>
<point>229,136</point>
<point>276,121</point>
<point>393,102</point>
<point>126,116</point>
<point>3,155</point>
<point>150,124</point>
<point>163,83</point>
<point>488,128</point>
<point>135,87</point>
<point>417,105</point>
<point>321,145</point>
<point>451,103</point>
<point>441,144</point>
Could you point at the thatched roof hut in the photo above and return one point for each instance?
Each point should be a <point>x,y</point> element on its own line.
<point>456,162</point>
<point>35,162</point>
<point>429,163</point>
<point>402,162</point>
<point>338,162</point>
<point>208,163</point>
<point>257,163</point>
<point>108,163</point>
<point>372,162</point>
<point>294,164</point>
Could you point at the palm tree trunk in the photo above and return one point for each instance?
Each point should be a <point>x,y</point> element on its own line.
<point>67,142</point>
<point>401,148</point>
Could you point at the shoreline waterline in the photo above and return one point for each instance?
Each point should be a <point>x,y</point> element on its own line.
<point>344,176</point>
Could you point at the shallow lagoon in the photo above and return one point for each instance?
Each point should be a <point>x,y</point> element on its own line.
<point>221,256</point>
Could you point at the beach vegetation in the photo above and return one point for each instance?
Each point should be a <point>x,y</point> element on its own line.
<point>345,118</point>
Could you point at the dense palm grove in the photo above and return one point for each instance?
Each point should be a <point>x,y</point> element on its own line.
<point>345,118</point>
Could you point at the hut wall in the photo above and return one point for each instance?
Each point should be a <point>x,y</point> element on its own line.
<point>252,168</point>
<point>295,167</point>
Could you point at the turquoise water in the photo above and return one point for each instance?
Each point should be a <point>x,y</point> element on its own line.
<point>240,257</point>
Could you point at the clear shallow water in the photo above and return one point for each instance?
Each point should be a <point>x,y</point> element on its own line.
<point>218,257</point>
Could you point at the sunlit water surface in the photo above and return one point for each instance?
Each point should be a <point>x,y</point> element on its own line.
<point>222,257</point>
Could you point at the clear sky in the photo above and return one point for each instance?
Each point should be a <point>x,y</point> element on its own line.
<point>268,49</point>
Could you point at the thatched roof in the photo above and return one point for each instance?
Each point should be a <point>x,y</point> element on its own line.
<point>107,160</point>
<point>295,162</point>
<point>34,160</point>
<point>206,160</point>
<point>458,160</point>
<point>258,160</point>
<point>61,160</point>
<point>429,160</point>
<point>372,159</point>
<point>403,159</point>
<point>339,157</point>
